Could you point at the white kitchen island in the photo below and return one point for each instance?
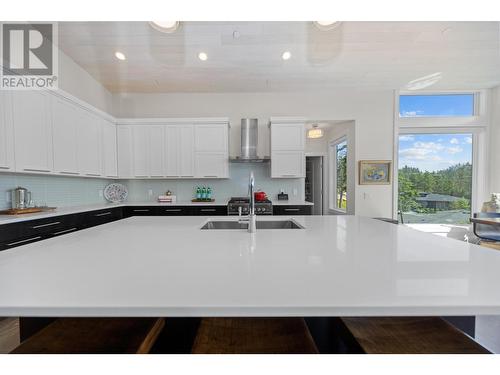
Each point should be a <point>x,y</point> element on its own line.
<point>167,266</point>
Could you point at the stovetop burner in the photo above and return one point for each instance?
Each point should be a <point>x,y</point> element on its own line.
<point>261,207</point>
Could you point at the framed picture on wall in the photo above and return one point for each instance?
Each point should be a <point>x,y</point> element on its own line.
<point>375,172</point>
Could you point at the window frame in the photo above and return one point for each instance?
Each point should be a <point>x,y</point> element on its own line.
<point>332,155</point>
<point>477,125</point>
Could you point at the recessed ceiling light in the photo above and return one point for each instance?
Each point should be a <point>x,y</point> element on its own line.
<point>203,56</point>
<point>120,56</point>
<point>286,55</point>
<point>165,26</point>
<point>423,82</point>
<point>327,25</point>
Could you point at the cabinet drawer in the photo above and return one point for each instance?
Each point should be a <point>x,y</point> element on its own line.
<point>98,217</point>
<point>141,211</point>
<point>173,211</point>
<point>209,210</point>
<point>292,210</point>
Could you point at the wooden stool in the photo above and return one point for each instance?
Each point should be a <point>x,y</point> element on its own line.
<point>410,335</point>
<point>254,336</point>
<point>94,336</point>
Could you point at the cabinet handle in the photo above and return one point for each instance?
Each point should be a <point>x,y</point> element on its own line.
<point>103,214</point>
<point>207,209</point>
<point>292,209</point>
<point>92,174</point>
<point>174,210</point>
<point>46,225</point>
<point>145,210</point>
<point>36,170</point>
<point>64,231</point>
<point>210,176</point>
<point>72,173</point>
<point>23,241</point>
<point>187,175</point>
<point>288,175</point>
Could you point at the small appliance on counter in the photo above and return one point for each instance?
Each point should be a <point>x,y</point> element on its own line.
<point>264,207</point>
<point>282,196</point>
<point>22,203</point>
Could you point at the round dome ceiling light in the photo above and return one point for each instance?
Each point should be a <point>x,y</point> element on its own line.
<point>120,55</point>
<point>165,26</point>
<point>315,132</point>
<point>327,25</point>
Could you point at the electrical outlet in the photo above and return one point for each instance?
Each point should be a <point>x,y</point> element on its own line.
<point>150,192</point>
<point>8,197</point>
<point>295,192</point>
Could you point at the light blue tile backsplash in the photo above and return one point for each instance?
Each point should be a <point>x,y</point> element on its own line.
<point>63,191</point>
<point>58,191</point>
<point>237,185</point>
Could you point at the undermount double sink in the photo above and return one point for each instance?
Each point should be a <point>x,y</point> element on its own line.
<point>260,224</point>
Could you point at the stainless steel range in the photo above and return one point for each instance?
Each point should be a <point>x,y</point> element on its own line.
<point>261,208</point>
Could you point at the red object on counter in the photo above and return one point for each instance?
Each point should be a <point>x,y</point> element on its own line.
<point>260,196</point>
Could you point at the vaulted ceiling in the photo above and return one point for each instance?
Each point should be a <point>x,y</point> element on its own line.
<point>247,56</point>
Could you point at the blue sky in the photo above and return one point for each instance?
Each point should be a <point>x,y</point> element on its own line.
<point>433,152</point>
<point>436,105</point>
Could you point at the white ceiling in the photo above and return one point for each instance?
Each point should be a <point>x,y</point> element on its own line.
<point>365,55</point>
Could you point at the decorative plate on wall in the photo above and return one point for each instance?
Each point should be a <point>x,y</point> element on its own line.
<point>115,193</point>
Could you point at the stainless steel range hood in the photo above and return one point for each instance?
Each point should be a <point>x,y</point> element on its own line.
<point>249,139</point>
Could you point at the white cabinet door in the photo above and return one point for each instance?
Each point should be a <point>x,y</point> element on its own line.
<point>124,144</point>
<point>156,150</point>
<point>211,165</point>
<point>186,154</point>
<point>140,154</point>
<point>288,137</point>
<point>6,132</point>
<point>287,164</point>
<point>109,149</point>
<point>65,136</point>
<point>172,151</point>
<point>211,138</point>
<point>32,131</point>
<point>89,143</point>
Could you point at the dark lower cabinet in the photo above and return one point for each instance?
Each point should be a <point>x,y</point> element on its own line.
<point>292,210</point>
<point>208,210</point>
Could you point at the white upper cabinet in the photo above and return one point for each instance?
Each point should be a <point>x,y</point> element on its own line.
<point>179,151</point>
<point>156,149</point>
<point>65,136</point>
<point>211,138</point>
<point>32,131</point>
<point>109,153</point>
<point>288,137</point>
<point>287,150</point>
<point>211,150</point>
<point>140,151</point>
<point>6,132</point>
<point>124,151</point>
<point>89,143</point>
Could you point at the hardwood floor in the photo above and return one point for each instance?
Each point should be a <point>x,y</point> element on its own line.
<point>9,334</point>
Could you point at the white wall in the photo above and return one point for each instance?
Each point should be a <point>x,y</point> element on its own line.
<point>495,141</point>
<point>372,112</point>
<point>77,82</point>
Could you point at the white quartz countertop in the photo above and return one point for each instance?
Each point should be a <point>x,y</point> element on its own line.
<point>292,203</point>
<point>7,219</point>
<point>167,266</point>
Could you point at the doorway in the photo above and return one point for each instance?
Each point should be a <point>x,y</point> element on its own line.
<point>314,183</point>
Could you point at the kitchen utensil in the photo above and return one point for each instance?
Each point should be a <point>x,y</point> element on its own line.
<point>21,198</point>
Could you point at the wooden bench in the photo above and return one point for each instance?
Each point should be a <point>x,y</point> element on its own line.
<point>253,336</point>
<point>94,336</point>
<point>408,335</point>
